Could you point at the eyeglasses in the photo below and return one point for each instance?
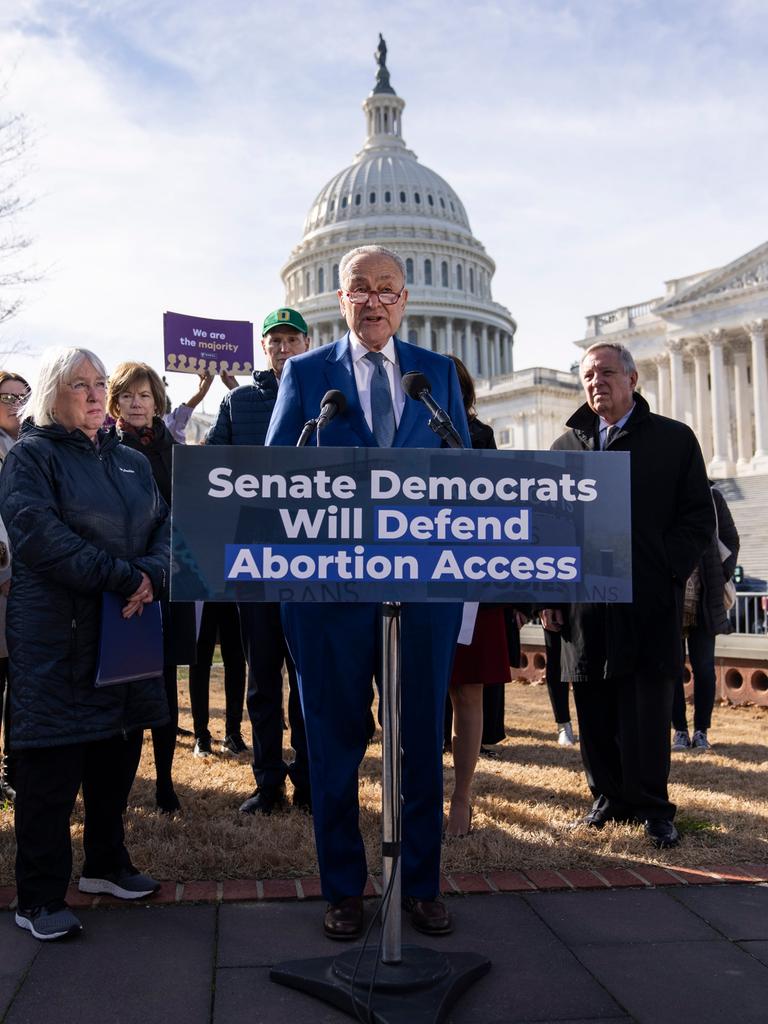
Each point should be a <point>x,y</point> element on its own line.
<point>81,387</point>
<point>13,399</point>
<point>385,298</point>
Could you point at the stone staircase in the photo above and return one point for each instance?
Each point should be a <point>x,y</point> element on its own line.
<point>747,498</point>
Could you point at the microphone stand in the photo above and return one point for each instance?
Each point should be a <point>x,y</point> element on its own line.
<point>307,431</point>
<point>441,425</point>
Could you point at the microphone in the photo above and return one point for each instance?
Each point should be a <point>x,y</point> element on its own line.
<point>333,403</point>
<point>417,386</point>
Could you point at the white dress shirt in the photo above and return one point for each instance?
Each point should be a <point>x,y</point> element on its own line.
<point>604,426</point>
<point>364,368</point>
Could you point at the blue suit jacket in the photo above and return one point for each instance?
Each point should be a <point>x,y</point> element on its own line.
<point>306,378</point>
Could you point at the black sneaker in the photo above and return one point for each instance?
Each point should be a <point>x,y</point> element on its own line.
<point>233,744</point>
<point>264,801</point>
<point>53,921</point>
<point>203,746</point>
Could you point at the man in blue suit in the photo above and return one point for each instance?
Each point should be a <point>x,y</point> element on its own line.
<point>336,646</point>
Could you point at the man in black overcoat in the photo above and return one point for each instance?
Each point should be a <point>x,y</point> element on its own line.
<point>623,659</point>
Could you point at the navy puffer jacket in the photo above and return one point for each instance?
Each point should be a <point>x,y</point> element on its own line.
<point>245,413</point>
<point>81,520</point>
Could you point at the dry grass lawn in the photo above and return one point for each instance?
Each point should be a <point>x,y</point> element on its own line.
<point>523,807</point>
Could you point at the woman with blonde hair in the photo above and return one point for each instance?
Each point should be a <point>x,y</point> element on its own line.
<point>85,519</point>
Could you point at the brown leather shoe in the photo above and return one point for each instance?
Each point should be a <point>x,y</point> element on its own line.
<point>344,920</point>
<point>429,916</point>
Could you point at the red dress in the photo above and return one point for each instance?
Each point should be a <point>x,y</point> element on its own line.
<point>485,661</point>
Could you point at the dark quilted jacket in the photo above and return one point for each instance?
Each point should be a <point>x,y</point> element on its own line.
<point>81,521</point>
<point>244,413</point>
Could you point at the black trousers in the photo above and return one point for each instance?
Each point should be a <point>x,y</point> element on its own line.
<point>701,651</point>
<point>265,652</point>
<point>220,620</point>
<point>557,688</point>
<point>164,736</point>
<point>624,735</point>
<point>47,782</point>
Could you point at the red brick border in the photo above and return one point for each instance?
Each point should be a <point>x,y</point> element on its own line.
<point>638,876</point>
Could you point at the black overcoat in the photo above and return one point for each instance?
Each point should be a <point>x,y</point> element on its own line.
<point>673,520</point>
<point>81,521</point>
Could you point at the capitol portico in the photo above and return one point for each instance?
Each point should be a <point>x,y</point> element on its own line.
<point>388,198</point>
<point>700,350</point>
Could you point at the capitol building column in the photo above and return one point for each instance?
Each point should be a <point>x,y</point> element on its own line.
<point>743,406</point>
<point>662,385</point>
<point>448,336</point>
<point>720,464</point>
<point>677,408</point>
<point>427,342</point>
<point>485,355</point>
<point>760,390</point>
<point>702,422</point>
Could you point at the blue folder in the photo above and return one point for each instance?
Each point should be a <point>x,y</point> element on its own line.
<point>129,649</point>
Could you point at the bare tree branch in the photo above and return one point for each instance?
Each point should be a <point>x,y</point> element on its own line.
<point>14,274</point>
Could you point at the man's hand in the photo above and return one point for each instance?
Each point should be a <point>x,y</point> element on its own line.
<point>143,594</point>
<point>229,381</point>
<point>552,619</point>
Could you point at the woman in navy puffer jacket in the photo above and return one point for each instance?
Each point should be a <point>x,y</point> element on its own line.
<point>84,516</point>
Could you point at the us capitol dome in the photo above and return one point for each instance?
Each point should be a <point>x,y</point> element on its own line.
<point>386,197</point>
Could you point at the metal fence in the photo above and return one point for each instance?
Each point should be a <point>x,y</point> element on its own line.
<point>750,613</point>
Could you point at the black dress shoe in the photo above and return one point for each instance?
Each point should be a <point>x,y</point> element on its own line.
<point>429,916</point>
<point>167,801</point>
<point>302,799</point>
<point>263,801</point>
<point>344,920</point>
<point>662,833</point>
<point>601,813</point>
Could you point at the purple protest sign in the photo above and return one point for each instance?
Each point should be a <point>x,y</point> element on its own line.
<point>194,344</point>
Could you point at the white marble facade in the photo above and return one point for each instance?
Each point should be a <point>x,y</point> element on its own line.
<point>700,351</point>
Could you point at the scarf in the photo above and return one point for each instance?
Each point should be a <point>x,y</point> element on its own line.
<point>144,435</point>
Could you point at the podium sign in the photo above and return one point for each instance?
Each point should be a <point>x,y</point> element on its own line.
<point>399,524</point>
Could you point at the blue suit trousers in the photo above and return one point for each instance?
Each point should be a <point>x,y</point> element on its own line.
<point>336,649</point>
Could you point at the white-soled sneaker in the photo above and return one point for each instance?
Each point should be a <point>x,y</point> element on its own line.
<point>565,737</point>
<point>128,886</point>
<point>700,741</point>
<point>52,921</point>
<point>681,741</point>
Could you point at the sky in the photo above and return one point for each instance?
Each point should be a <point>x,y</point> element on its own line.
<point>600,148</point>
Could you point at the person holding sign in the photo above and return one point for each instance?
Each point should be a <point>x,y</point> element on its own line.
<point>243,418</point>
<point>84,518</point>
<point>624,659</point>
<point>335,646</point>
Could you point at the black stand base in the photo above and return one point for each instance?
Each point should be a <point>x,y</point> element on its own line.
<point>419,990</point>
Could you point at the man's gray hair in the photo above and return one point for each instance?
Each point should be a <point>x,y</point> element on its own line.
<point>370,250</point>
<point>58,366</point>
<point>627,360</point>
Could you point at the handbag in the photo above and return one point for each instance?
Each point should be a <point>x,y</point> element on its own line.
<point>729,587</point>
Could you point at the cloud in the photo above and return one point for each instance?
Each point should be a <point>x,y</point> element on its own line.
<point>599,148</point>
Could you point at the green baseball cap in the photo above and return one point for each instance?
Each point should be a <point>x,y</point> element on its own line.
<point>285,318</point>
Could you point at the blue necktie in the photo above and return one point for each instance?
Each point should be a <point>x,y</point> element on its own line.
<point>382,411</point>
